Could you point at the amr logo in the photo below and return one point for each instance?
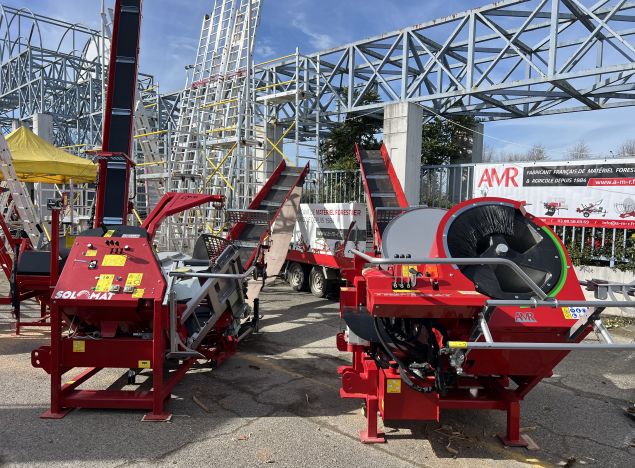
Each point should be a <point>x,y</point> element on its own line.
<point>491,177</point>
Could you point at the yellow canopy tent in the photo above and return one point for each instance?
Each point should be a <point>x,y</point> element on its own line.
<point>36,160</point>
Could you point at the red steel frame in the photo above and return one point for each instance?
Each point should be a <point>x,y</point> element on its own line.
<point>455,305</point>
<point>61,357</point>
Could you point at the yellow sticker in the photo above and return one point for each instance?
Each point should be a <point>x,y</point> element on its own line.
<point>144,365</point>
<point>566,312</point>
<point>91,253</point>
<point>405,270</point>
<point>393,386</point>
<point>138,293</point>
<point>114,260</point>
<point>457,344</point>
<point>79,346</point>
<point>134,279</point>
<point>104,283</point>
<point>109,233</point>
<point>470,293</point>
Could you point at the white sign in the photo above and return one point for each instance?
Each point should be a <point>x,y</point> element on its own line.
<point>565,193</point>
<point>323,227</point>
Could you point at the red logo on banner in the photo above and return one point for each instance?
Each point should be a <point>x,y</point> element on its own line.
<point>492,178</point>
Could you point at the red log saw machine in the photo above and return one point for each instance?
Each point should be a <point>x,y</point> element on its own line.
<point>118,303</point>
<point>468,308</point>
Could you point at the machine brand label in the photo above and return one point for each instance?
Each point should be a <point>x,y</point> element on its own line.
<point>525,317</point>
<point>84,294</point>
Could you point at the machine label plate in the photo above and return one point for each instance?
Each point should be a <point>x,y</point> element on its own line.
<point>114,260</point>
<point>91,253</point>
<point>393,385</point>
<point>79,346</point>
<point>144,364</point>
<point>134,279</point>
<point>138,293</point>
<point>104,283</point>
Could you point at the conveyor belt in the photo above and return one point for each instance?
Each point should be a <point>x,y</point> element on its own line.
<point>254,224</point>
<point>383,190</point>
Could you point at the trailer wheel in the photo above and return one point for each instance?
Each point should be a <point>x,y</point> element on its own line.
<point>317,282</point>
<point>296,276</point>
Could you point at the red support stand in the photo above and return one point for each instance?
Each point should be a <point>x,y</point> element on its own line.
<point>513,437</point>
<point>371,435</point>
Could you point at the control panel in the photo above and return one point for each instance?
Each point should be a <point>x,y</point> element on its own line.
<point>100,271</point>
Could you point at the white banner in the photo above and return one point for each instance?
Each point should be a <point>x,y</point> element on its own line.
<point>322,227</point>
<point>599,193</point>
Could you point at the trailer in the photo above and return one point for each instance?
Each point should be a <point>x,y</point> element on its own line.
<point>323,237</point>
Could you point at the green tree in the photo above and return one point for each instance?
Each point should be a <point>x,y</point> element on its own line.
<point>338,148</point>
<point>447,141</point>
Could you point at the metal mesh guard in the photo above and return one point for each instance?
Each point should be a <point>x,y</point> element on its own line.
<point>247,216</point>
<point>388,214</point>
<point>215,246</point>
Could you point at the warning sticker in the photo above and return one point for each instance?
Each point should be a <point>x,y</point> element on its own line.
<point>104,283</point>
<point>393,386</point>
<point>109,233</point>
<point>574,313</point>
<point>114,260</point>
<point>144,364</point>
<point>138,293</point>
<point>133,279</point>
<point>79,346</point>
<point>470,293</point>
<point>91,253</point>
<point>405,270</point>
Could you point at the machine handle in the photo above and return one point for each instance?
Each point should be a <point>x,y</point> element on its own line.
<point>194,274</point>
<point>455,261</point>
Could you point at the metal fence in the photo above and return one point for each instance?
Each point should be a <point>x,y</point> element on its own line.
<point>445,186</point>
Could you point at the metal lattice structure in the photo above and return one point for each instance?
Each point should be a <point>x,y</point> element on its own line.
<point>514,58</point>
<point>56,67</point>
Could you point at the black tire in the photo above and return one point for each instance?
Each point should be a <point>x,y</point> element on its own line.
<point>297,277</point>
<point>317,282</point>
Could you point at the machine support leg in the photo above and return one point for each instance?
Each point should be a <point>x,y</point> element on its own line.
<point>513,437</point>
<point>370,435</point>
<point>56,411</point>
<point>158,355</point>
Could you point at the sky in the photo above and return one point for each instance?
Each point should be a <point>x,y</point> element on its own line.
<point>171,28</point>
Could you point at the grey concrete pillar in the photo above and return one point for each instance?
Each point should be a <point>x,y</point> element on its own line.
<point>477,143</point>
<point>43,126</point>
<point>402,137</point>
<point>15,124</point>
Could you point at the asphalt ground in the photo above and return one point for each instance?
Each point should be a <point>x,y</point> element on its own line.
<point>277,403</point>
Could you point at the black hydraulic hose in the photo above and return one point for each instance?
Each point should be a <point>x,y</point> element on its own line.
<point>403,372</point>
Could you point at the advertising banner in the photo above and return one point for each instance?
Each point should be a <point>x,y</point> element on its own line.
<point>323,227</point>
<point>566,193</point>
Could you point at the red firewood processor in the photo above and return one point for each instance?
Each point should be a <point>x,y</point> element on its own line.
<point>467,308</point>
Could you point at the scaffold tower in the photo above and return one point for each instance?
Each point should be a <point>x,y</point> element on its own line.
<point>214,142</point>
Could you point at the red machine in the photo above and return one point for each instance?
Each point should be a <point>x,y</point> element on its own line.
<point>118,303</point>
<point>465,309</point>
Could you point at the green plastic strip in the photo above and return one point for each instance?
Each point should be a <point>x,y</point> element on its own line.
<point>563,260</point>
